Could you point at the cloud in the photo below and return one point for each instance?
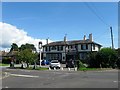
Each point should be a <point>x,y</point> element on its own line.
<point>12,34</point>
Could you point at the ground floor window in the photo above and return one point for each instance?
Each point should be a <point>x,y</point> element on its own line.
<point>54,56</point>
<point>83,55</point>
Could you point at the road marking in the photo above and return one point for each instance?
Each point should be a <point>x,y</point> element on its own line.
<point>6,75</point>
<point>116,81</point>
<point>6,87</point>
<point>23,75</point>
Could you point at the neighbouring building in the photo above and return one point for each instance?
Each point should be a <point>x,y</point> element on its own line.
<point>66,50</point>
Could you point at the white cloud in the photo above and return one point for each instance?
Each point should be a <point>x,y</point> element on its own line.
<point>11,34</point>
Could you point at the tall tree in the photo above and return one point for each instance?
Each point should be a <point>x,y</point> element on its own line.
<point>14,47</point>
<point>27,56</point>
<point>27,46</point>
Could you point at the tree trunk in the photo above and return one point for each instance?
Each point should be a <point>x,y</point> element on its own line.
<point>27,65</point>
<point>34,65</point>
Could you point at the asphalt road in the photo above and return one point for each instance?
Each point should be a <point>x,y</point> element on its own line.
<point>13,78</point>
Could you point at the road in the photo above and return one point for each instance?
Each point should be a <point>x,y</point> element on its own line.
<point>13,78</point>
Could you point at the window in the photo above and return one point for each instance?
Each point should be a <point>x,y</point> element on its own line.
<point>45,48</point>
<point>61,48</point>
<point>84,46</point>
<point>93,46</point>
<point>58,49</point>
<point>49,48</point>
<point>81,47</point>
<point>53,47</point>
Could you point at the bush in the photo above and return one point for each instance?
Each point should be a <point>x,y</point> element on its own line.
<point>6,60</point>
<point>118,63</point>
<point>81,65</point>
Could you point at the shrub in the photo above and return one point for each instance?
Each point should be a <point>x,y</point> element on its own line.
<point>6,60</point>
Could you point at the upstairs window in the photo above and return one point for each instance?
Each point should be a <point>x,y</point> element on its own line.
<point>93,46</point>
<point>45,48</point>
<point>61,48</point>
<point>84,46</point>
<point>53,47</point>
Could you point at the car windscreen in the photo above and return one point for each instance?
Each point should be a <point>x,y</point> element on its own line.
<point>54,62</point>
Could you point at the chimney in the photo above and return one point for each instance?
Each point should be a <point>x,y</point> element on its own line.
<point>65,38</point>
<point>84,37</point>
<point>47,40</point>
<point>90,37</point>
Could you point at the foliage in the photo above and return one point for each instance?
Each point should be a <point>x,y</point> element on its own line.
<point>92,60</point>
<point>14,47</point>
<point>81,65</point>
<point>87,69</point>
<point>105,58</point>
<point>108,57</point>
<point>6,60</point>
<point>27,56</point>
<point>118,63</point>
<point>26,53</point>
<point>27,46</point>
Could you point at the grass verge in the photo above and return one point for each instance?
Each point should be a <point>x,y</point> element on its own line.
<point>1,64</point>
<point>31,68</point>
<point>88,69</point>
<point>37,68</point>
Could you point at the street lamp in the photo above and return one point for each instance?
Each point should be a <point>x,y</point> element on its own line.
<point>40,47</point>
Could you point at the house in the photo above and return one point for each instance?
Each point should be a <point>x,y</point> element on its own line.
<point>66,50</point>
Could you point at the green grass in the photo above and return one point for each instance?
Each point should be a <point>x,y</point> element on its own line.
<point>1,64</point>
<point>88,69</point>
<point>37,68</point>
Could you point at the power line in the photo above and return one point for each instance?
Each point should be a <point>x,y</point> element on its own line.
<point>94,12</point>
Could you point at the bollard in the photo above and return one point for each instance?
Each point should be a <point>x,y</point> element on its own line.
<point>75,68</point>
<point>49,68</point>
<point>54,68</point>
<point>69,69</point>
<point>61,68</point>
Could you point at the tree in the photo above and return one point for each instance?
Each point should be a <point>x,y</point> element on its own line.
<point>107,57</point>
<point>13,53</point>
<point>27,46</point>
<point>14,47</point>
<point>27,56</point>
<point>92,60</point>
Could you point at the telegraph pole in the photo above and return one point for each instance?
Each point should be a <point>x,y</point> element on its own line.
<point>112,38</point>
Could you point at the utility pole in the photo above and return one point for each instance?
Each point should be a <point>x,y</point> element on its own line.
<point>112,38</point>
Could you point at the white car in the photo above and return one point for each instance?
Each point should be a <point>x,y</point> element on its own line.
<point>55,64</point>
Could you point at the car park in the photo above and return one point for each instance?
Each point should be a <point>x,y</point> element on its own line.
<point>55,64</point>
<point>45,62</point>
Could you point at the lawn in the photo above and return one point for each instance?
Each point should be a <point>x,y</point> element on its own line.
<point>37,68</point>
<point>31,68</point>
<point>88,69</point>
<point>1,64</point>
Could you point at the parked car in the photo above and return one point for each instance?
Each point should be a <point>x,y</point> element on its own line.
<point>70,64</point>
<point>55,64</point>
<point>45,62</point>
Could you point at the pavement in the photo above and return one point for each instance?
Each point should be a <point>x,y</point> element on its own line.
<point>59,79</point>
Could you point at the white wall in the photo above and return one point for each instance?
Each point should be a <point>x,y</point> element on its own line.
<point>96,48</point>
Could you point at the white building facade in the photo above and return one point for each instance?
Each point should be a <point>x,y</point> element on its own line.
<point>65,50</point>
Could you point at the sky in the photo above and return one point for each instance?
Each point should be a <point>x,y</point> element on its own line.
<point>31,22</point>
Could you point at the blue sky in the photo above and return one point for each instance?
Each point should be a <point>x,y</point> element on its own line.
<point>54,20</point>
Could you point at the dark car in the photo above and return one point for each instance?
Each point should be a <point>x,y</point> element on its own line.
<point>45,62</point>
<point>70,64</point>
